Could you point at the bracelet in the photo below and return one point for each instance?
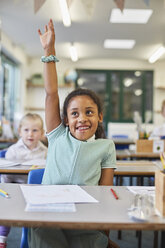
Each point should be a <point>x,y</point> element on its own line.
<point>50,58</point>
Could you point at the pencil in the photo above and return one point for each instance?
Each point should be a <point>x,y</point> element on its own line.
<point>3,193</point>
<point>162,160</point>
<point>114,194</point>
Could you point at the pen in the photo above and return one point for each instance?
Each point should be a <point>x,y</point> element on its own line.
<point>3,193</point>
<point>114,193</point>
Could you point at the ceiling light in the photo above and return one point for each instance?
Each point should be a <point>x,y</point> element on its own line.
<point>119,44</point>
<point>73,53</point>
<point>130,15</point>
<point>137,73</point>
<point>128,82</point>
<point>156,55</point>
<point>65,13</point>
<point>138,92</point>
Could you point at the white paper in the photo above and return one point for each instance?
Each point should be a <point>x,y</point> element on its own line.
<point>41,162</point>
<point>44,194</point>
<point>158,146</point>
<point>7,163</point>
<point>57,207</point>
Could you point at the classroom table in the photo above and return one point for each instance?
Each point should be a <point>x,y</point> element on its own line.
<point>124,168</point>
<point>5,143</point>
<point>108,213</point>
<point>129,154</point>
<point>19,169</point>
<point>139,169</point>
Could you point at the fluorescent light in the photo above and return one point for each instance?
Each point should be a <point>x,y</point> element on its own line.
<point>65,13</point>
<point>128,82</point>
<point>119,44</point>
<point>73,53</point>
<point>138,92</point>
<point>155,56</point>
<point>130,15</point>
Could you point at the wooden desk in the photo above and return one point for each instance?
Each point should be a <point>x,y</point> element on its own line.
<point>5,143</point>
<point>125,154</point>
<point>136,168</point>
<point>19,169</point>
<point>109,213</point>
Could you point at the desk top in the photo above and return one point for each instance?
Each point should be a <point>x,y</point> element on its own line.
<point>124,168</point>
<point>109,213</point>
<point>125,153</point>
<point>136,168</point>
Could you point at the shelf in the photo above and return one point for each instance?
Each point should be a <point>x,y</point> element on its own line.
<point>34,109</point>
<point>160,88</point>
<point>31,85</point>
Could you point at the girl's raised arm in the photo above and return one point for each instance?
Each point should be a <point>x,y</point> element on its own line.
<point>52,110</point>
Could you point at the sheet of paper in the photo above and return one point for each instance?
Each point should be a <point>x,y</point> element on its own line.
<point>57,207</point>
<point>142,189</point>
<point>44,194</point>
<point>7,163</point>
<point>41,162</point>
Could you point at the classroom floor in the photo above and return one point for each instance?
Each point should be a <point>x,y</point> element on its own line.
<point>129,239</point>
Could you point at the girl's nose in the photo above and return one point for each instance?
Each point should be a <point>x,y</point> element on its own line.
<point>82,118</point>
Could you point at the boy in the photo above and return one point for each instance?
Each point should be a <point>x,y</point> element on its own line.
<point>28,147</point>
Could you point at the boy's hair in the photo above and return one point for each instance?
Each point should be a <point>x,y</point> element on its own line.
<point>29,117</point>
<point>85,92</point>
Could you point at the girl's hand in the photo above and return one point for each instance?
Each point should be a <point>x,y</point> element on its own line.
<point>47,39</point>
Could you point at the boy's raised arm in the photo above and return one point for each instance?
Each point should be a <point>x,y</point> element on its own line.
<point>52,110</point>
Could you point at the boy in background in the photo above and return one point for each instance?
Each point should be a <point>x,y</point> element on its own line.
<point>28,147</point>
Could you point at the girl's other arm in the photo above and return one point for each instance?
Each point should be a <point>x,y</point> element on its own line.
<point>52,109</point>
<point>106,176</point>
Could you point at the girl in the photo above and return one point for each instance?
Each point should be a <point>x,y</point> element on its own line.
<point>77,154</point>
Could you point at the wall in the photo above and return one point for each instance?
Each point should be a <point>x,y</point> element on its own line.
<point>33,65</point>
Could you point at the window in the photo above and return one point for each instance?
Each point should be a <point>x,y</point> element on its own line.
<point>9,75</point>
<point>122,92</point>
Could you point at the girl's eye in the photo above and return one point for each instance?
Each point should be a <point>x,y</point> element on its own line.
<point>74,113</point>
<point>26,130</point>
<point>89,112</point>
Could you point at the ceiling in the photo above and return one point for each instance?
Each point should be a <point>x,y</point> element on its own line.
<point>90,26</point>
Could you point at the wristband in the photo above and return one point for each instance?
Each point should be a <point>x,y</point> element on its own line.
<point>50,58</point>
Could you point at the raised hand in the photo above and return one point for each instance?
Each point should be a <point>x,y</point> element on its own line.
<point>48,37</point>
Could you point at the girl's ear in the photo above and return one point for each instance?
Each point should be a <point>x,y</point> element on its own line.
<point>101,117</point>
<point>66,121</point>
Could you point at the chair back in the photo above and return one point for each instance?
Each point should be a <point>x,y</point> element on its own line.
<point>34,177</point>
<point>2,153</point>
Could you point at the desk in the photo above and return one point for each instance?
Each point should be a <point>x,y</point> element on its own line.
<point>136,168</point>
<point>5,143</point>
<point>19,169</point>
<point>124,168</point>
<point>125,154</point>
<point>109,213</point>
<point>139,169</point>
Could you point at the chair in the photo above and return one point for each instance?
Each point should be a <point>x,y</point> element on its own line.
<point>2,153</point>
<point>34,177</point>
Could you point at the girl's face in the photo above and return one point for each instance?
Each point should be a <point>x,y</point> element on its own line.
<point>31,132</point>
<point>83,117</point>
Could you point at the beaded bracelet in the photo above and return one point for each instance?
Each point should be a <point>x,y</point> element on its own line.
<point>50,58</point>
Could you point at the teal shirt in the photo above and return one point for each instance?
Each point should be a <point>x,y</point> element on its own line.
<point>71,161</point>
